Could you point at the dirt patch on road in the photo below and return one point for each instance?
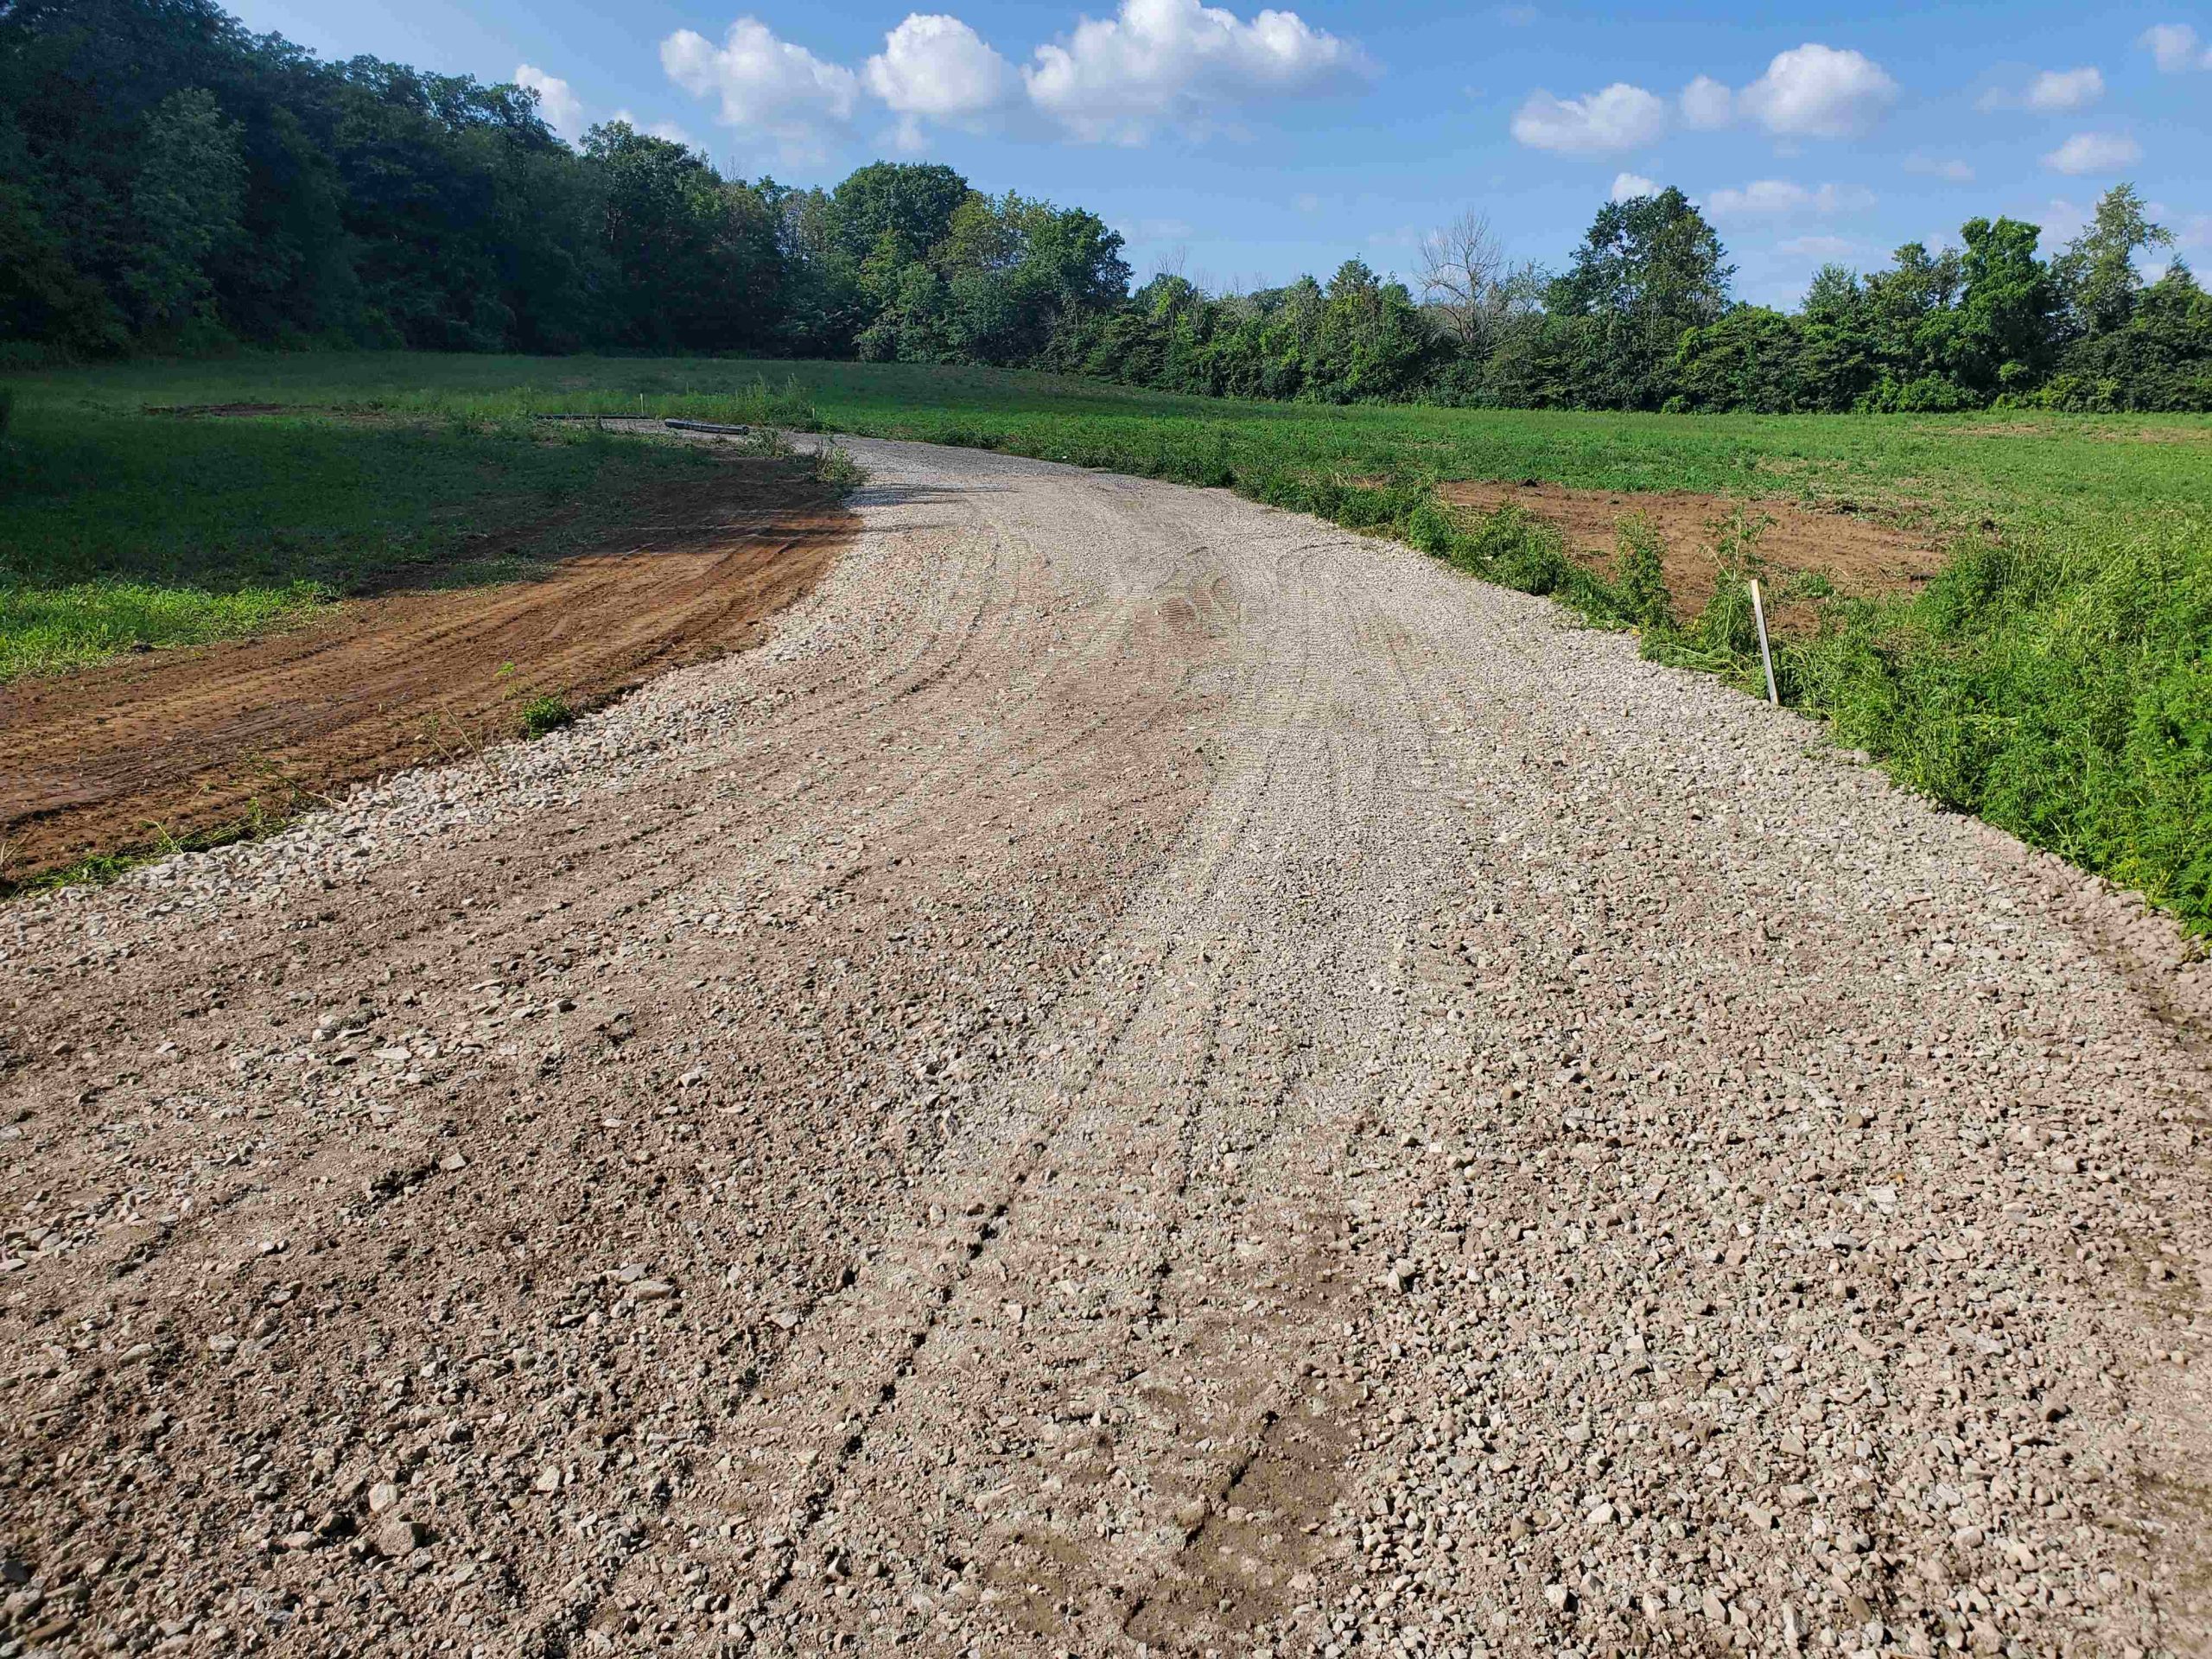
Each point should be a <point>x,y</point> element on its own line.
<point>161,748</point>
<point>1858,556</point>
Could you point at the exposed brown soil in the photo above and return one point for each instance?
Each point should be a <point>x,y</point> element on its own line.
<point>1858,556</point>
<point>179,743</point>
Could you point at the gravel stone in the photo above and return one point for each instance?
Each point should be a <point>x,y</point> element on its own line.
<point>1207,1084</point>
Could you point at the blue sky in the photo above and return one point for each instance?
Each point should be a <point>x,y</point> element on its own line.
<point>1254,144</point>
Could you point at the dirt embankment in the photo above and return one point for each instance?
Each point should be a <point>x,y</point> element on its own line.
<point>175,744</point>
<point>1858,556</point>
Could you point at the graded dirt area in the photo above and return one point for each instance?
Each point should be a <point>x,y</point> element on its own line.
<point>182,742</point>
<point>1859,555</point>
<point>1146,1076</point>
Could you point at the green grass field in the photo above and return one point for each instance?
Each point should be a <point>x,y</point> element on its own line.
<point>120,530</point>
<point>2054,680</point>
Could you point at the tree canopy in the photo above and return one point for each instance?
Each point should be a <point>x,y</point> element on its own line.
<point>170,181</point>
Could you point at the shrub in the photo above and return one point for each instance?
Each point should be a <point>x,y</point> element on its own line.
<point>1430,528</point>
<point>1640,574</point>
<point>837,469</point>
<point>1530,556</point>
<point>546,714</point>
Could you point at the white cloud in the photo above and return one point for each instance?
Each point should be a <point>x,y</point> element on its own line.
<point>1820,92</point>
<point>1620,118</point>
<point>1817,247</point>
<point>1774,197</point>
<point>1956,172</point>
<point>1307,202</point>
<point>2093,152</point>
<point>556,101</point>
<point>2066,89</point>
<point>935,68</point>
<point>1809,92</point>
<point>2194,231</point>
<point>764,85</point>
<point>2053,90</point>
<point>1707,104</point>
<point>1160,61</point>
<point>2176,48</point>
<point>1628,185</point>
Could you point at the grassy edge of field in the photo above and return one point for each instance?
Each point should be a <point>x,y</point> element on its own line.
<point>221,530</point>
<point>252,612</point>
<point>2052,680</point>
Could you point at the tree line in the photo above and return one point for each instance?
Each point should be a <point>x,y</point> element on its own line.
<point>1643,319</point>
<point>170,182</point>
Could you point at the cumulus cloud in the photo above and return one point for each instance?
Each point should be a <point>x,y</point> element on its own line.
<point>2174,47</point>
<point>1627,186</point>
<point>2093,152</point>
<point>1820,92</point>
<point>2053,91</point>
<point>1620,118</point>
<point>2065,89</point>
<point>556,101</point>
<point>937,68</point>
<point>1708,104</point>
<point>1808,91</point>
<point>1156,62</point>
<point>1776,198</point>
<point>763,85</point>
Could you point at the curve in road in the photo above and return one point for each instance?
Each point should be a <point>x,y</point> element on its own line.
<point>1148,1076</point>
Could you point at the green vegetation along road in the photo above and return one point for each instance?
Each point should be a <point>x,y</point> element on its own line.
<point>2054,679</point>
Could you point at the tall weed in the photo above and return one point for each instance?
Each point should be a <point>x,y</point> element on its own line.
<point>1640,574</point>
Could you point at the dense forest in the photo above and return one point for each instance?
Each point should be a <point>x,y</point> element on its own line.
<point>170,182</point>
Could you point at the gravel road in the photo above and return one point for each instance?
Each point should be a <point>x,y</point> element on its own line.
<point>1147,1075</point>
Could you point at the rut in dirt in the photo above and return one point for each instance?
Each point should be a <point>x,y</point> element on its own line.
<point>1144,1075</point>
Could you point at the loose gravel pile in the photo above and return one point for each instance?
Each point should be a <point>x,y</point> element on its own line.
<point>1148,1076</point>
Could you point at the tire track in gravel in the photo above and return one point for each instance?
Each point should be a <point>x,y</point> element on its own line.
<point>945,781</point>
<point>1061,743</point>
<point>1147,1075</point>
<point>830,1425</point>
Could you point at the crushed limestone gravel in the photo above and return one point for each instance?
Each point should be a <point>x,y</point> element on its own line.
<point>1147,1076</point>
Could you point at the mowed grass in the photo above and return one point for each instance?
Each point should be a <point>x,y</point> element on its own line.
<point>2056,679</point>
<point>121,531</point>
<point>1938,472</point>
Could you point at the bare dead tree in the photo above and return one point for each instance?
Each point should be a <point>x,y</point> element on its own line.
<point>1463,277</point>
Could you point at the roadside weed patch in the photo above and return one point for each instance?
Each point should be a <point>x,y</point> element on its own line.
<point>546,714</point>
